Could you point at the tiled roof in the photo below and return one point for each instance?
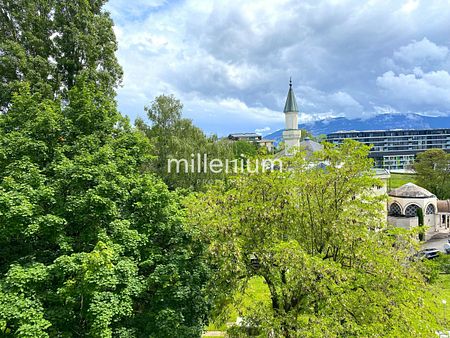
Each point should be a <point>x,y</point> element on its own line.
<point>291,102</point>
<point>411,190</point>
<point>443,206</point>
<point>310,146</point>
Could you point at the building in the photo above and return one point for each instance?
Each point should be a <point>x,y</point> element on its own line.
<point>396,149</point>
<point>405,201</point>
<point>393,149</point>
<point>291,133</point>
<point>444,213</point>
<point>310,146</point>
<point>253,138</point>
<point>250,137</point>
<point>266,143</point>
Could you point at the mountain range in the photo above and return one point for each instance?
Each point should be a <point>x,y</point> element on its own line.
<point>378,122</point>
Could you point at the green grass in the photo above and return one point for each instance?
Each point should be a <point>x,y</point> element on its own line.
<point>441,291</point>
<point>397,180</point>
<point>256,293</point>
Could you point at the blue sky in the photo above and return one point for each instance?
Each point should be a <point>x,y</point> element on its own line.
<point>229,62</point>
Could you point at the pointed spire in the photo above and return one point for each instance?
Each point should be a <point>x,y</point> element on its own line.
<point>291,102</point>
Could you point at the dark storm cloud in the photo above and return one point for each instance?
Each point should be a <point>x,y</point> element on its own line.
<point>230,61</point>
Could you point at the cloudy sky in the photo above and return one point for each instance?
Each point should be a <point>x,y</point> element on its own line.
<point>229,62</point>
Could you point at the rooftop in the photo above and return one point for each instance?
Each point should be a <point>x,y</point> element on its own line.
<point>410,190</point>
<point>310,146</point>
<point>291,102</point>
<point>443,206</point>
<point>244,135</point>
<point>385,130</point>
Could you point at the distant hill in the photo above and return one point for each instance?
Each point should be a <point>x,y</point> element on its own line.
<point>379,122</point>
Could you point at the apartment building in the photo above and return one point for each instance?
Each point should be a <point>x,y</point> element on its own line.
<point>396,149</point>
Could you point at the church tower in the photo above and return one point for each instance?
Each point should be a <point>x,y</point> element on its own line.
<point>291,133</point>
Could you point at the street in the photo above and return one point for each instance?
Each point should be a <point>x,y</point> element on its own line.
<point>435,243</point>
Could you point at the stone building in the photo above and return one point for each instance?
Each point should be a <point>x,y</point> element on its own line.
<point>405,201</point>
<point>444,214</point>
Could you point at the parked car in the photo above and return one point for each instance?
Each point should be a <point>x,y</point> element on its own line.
<point>429,253</point>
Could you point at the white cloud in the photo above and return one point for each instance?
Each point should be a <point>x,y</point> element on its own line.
<point>262,130</point>
<point>418,52</point>
<point>327,105</point>
<point>431,89</point>
<point>410,6</point>
<point>230,61</point>
<point>126,10</point>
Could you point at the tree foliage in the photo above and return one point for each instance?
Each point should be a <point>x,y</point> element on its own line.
<point>90,244</point>
<point>48,43</point>
<point>317,236</point>
<point>306,134</point>
<point>244,149</point>
<point>175,137</point>
<point>432,168</point>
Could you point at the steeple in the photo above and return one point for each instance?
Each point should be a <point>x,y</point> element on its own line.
<point>291,133</point>
<point>291,102</point>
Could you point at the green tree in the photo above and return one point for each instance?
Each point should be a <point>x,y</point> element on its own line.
<point>177,138</point>
<point>90,244</point>
<point>48,43</point>
<point>312,233</point>
<point>245,149</point>
<point>306,134</point>
<point>432,168</point>
<point>421,222</point>
<point>320,138</point>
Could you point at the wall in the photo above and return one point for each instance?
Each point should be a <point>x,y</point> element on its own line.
<point>403,222</point>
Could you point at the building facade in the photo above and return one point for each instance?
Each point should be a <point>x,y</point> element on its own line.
<point>405,201</point>
<point>253,138</point>
<point>249,137</point>
<point>396,149</point>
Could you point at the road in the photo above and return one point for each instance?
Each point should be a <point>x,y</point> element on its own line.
<point>435,243</point>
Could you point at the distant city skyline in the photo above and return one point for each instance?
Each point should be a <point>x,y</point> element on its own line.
<point>230,62</point>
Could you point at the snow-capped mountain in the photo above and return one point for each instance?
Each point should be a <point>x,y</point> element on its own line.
<point>379,122</point>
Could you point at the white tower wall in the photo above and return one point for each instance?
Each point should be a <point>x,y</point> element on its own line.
<point>291,134</point>
<point>291,120</point>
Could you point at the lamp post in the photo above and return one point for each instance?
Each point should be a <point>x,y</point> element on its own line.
<point>444,302</point>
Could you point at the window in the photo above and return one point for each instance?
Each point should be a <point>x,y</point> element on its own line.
<point>395,209</point>
<point>411,210</point>
<point>430,209</point>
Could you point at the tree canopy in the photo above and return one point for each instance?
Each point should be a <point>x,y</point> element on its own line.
<point>316,235</point>
<point>95,237</point>
<point>175,137</point>
<point>433,172</point>
<point>91,243</point>
<point>48,43</point>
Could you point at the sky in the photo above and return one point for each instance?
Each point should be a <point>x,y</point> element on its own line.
<point>229,62</point>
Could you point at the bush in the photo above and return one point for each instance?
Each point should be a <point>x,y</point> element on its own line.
<point>443,263</point>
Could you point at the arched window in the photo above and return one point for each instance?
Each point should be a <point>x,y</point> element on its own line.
<point>411,210</point>
<point>430,209</point>
<point>395,209</point>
